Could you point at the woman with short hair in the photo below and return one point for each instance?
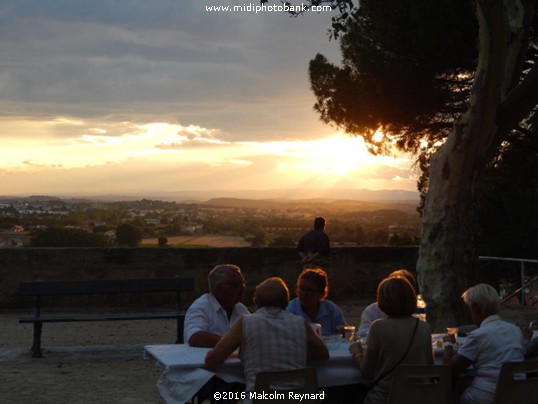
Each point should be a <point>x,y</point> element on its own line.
<point>493,343</point>
<point>372,312</point>
<point>397,339</point>
<point>311,302</point>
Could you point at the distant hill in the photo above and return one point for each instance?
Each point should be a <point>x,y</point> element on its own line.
<point>308,204</point>
<point>257,197</point>
<point>279,194</point>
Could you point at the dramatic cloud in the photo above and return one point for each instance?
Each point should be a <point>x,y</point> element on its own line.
<point>160,61</point>
<point>95,94</point>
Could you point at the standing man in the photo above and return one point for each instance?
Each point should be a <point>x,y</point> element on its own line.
<point>314,246</point>
<point>210,316</point>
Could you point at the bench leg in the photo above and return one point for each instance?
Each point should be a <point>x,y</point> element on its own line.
<point>36,346</point>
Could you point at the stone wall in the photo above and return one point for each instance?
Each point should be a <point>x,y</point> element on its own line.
<point>354,270</point>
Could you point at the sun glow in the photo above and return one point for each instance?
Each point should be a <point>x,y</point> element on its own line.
<point>106,157</point>
<point>336,155</point>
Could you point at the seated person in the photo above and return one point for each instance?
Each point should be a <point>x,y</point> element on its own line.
<point>397,339</point>
<point>493,343</point>
<point>210,316</point>
<point>372,312</point>
<point>311,303</point>
<point>271,339</point>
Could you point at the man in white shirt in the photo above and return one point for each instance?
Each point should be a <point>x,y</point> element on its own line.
<point>210,316</point>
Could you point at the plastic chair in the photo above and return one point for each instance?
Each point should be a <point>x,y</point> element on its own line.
<point>421,384</point>
<point>286,381</point>
<point>518,383</point>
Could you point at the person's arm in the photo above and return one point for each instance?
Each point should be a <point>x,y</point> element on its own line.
<point>302,252</point>
<point>366,360</point>
<point>226,345</point>
<point>448,353</point>
<point>367,316</point>
<point>316,348</point>
<point>204,339</point>
<point>458,362</point>
<point>196,330</point>
<point>526,332</point>
<point>431,356</point>
<point>357,352</point>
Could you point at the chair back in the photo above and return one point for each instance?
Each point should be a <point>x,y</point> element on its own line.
<point>286,381</point>
<point>421,384</point>
<point>518,383</point>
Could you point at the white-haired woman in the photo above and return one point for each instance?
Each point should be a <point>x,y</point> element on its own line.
<point>493,343</point>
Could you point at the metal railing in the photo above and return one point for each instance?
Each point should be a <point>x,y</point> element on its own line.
<point>522,262</point>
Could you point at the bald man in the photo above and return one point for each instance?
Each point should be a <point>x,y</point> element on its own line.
<point>290,337</point>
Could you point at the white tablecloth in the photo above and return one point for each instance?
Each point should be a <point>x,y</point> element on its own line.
<point>184,373</point>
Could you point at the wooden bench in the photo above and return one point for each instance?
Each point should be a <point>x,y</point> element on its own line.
<point>102,287</point>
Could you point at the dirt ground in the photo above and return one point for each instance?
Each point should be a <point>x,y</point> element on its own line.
<point>103,362</point>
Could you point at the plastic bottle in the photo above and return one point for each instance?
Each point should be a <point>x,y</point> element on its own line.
<point>421,309</point>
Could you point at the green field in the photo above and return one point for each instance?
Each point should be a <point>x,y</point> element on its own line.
<point>201,241</point>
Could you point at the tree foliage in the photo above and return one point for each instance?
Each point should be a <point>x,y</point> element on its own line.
<point>406,70</point>
<point>68,237</point>
<point>508,195</point>
<point>406,73</point>
<point>128,234</point>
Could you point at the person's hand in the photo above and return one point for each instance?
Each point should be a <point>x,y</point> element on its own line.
<point>449,338</point>
<point>355,348</point>
<point>527,333</point>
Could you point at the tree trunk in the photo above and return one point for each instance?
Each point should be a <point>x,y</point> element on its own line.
<point>449,230</point>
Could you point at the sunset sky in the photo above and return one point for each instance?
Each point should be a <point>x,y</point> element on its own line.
<point>136,96</point>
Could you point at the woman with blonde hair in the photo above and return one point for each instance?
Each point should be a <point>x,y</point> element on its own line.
<point>493,343</point>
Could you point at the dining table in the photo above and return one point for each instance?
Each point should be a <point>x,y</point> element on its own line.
<point>184,372</point>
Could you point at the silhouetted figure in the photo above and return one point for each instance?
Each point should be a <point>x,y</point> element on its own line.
<point>314,247</point>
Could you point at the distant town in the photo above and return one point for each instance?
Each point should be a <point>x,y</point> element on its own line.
<point>47,221</point>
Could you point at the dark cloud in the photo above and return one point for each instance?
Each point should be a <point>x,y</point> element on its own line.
<point>160,60</point>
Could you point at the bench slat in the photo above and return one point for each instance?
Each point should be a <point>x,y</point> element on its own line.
<point>105,286</point>
<point>101,317</point>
